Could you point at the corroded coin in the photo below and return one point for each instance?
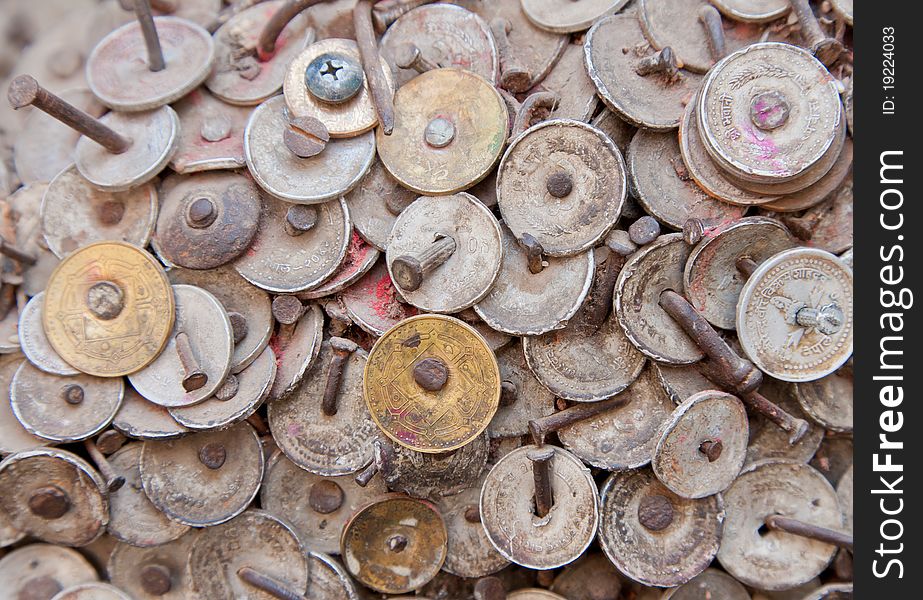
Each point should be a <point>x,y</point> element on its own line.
<point>205,478</point>
<point>753,11</point>
<point>211,134</point>
<point>108,309</point>
<point>568,79</point>
<point>590,577</point>
<point>562,182</point>
<point>322,443</point>
<point>375,203</point>
<point>815,193</point>
<point>256,540</point>
<point>828,400</point>
<point>832,220</point>
<point>450,127</point>
<point>769,441</point>
<point>432,383</point>
<point>283,262</point>
<point>54,496</point>
<point>680,382</point>
<point>75,213</point>
<point>471,269</point>
<point>328,578</point>
<point>431,476</point>
<point>394,545</point>
<point>794,316</point>
<point>710,583</point>
<point>652,270</point>
<point>295,352</point>
<point>654,536</point>
<point>469,552</point>
<point>373,302</point>
<point>146,572</point>
<point>317,507</point>
<point>844,494</point>
<point>565,16</point>
<point>360,258</point>
<point>91,591</point>
<point>834,457</point>
<point>34,342</point>
<point>507,510</point>
<point>522,396</point>
<point>41,570</point>
<point>142,419</point>
<point>776,560</point>
<point>711,280</point>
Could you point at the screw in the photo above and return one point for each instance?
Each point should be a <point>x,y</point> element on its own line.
<point>534,109</point>
<point>334,78</point>
<point>213,455</point>
<point>155,579</point>
<point>431,374</point>
<point>287,310</point>
<point>408,56</point>
<point>114,481</point>
<point>110,441</point>
<point>72,394</point>
<point>663,61</point>
<point>711,449</point>
<point>541,427</point>
<point>826,49</point>
<point>305,136</point>
<point>155,60</point>
<point>769,110</point>
<point>25,91</point>
<point>386,13</point>
<point>714,30</point>
<point>265,583</point>
<point>439,132</point>
<point>201,213</point>
<point>342,349</point>
<point>508,393</point>
<point>382,96</point>
<point>228,389</point>
<point>238,326</point>
<point>541,474</point>
<point>514,77</point>
<point>299,219</point>
<point>644,231</point>
<point>489,588</point>
<point>15,253</point>
<point>814,532</point>
<point>473,514</point>
<point>534,252</point>
<point>50,502</point>
<point>194,377</point>
<point>655,512</point>
<point>559,184</point>
<point>325,496</point>
<point>105,300</point>
<point>409,271</point>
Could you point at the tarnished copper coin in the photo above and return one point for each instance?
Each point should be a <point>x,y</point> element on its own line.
<point>394,545</point>
<point>373,302</point>
<point>360,258</point>
<point>432,418</point>
<point>75,213</point>
<point>794,316</point>
<point>469,552</point>
<point>375,204</point>
<point>43,570</point>
<point>54,496</point>
<point>753,11</point>
<point>122,57</point>
<point>565,16</point>
<point>204,478</point>
<point>256,540</point>
<point>517,533</point>
<point>522,396</point>
<point>710,583</point>
<point>34,342</point>
<point>776,560</point>
<point>92,591</point>
<point>146,573</point>
<point>141,419</point>
<point>211,134</point>
<point>654,536</point>
<point>450,127</point>
<point>108,309</point>
<point>295,352</point>
<point>432,476</point>
<point>564,183</point>
<point>828,400</point>
<point>711,280</point>
<point>317,507</point>
<point>652,270</point>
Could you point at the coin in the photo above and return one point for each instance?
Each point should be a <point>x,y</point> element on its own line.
<point>359,259</point>
<point>394,545</point>
<point>455,105</point>
<point>43,568</point>
<point>469,272</point>
<point>9,535</point>
<point>775,560</point>
<point>34,342</point>
<point>211,134</point>
<point>778,308</point>
<point>590,577</point>
<point>680,382</point>
<point>564,16</point>
<point>54,496</point>
<point>673,23</point>
<point>828,400</point>
<point>834,457</point>
<point>125,343</point>
<point>833,230</point>
<point>710,583</point>
<point>652,535</point>
<point>530,400</point>
<point>141,419</point>
<point>205,478</point>
<point>137,570</point>
<point>375,203</point>
<point>91,591</point>
<point>816,193</point>
<point>564,183</point>
<point>423,420</point>
<point>468,553</point>
<point>25,205</point>
<point>750,11</point>
<point>296,353</point>
<point>431,476</point>
<point>533,594</point>
<point>372,302</point>
<point>844,494</point>
<point>768,441</point>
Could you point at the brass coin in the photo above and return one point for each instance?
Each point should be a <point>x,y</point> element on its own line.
<point>395,545</point>
<point>432,421</point>
<point>465,120</point>
<point>124,343</point>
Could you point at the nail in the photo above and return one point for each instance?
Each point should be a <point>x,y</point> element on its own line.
<point>194,377</point>
<point>807,530</point>
<point>534,252</point>
<point>662,61</point>
<point>364,476</point>
<point>105,300</point>
<point>408,56</point>
<point>266,44</point>
<point>386,13</point>
<point>238,326</point>
<point>213,455</point>
<point>489,588</point>
<point>111,212</point>
<point>541,475</point>
<point>25,91</point>
<point>155,60</point>
<point>155,579</point>
<point>655,512</point>
<point>644,231</point>
<point>769,110</point>
<point>340,321</point>
<point>265,583</point>
<point>508,393</point>
<point>803,226</point>
<point>711,449</point>
<point>826,49</point>
<point>325,496</point>
<point>110,441</point>
<point>409,271</point>
<point>534,109</point>
<point>559,184</point>
<point>114,481</point>
<point>473,514</point>
<point>382,97</point>
<point>50,502</point>
<point>305,136</point>
<point>15,253</point>
<point>257,422</point>
<point>299,219</point>
<point>431,374</point>
<point>541,427</point>
<point>598,304</point>
<point>513,76</point>
<point>342,349</point>
<point>746,266</point>
<point>72,394</point>
<point>287,310</point>
<point>694,229</point>
<point>714,30</point>
<point>201,213</point>
<point>439,132</point>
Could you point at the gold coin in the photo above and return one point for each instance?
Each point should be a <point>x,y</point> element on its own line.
<point>450,127</point>
<point>108,309</point>
<point>432,383</point>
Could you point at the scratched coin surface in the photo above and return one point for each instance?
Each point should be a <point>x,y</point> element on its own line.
<point>34,342</point>
<point>522,397</point>
<point>257,540</point>
<point>565,16</point>
<point>686,537</point>
<point>375,203</point>
<point>205,478</point>
<point>326,444</point>
<point>128,564</point>
<point>663,186</point>
<point>141,419</point>
<point>776,560</point>
<point>614,47</point>
<point>373,302</point>
<point>211,134</point>
<point>623,437</point>
<point>468,122</point>
<point>394,545</point>
<point>710,583</point>
<point>507,510</point>
<point>119,345</point>
<point>317,179</point>
<point>75,214</point>
<point>317,507</point>
<point>469,553</point>
<point>652,270</point>
<point>296,352</point>
<point>750,11</point>
<point>446,36</point>
<point>794,316</point>
<point>432,421</point>
<point>828,400</point>
<point>711,280</point>
<point>34,566</point>
<point>768,112</point>
<point>562,182</point>
<point>52,475</point>
<point>469,272</point>
<point>431,476</point>
<point>133,519</point>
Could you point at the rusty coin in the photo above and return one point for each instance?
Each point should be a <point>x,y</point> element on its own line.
<point>211,134</point>
<point>431,476</point>
<point>296,352</point>
<point>146,572</point>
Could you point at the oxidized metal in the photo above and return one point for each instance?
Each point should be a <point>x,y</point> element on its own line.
<point>818,192</point>
<point>710,583</point>
<point>142,419</point>
<point>681,382</point>
<point>43,569</point>
<point>296,351</point>
<point>828,400</point>
<point>360,258</point>
<point>469,552</point>
<point>34,342</point>
<point>753,11</point>
<point>565,16</point>
<point>590,577</point>
<point>373,302</point>
<point>25,205</point>
<point>522,397</point>
<point>829,225</point>
<point>329,579</point>
<point>375,204</point>
<point>154,573</point>
<point>211,134</point>
<point>432,476</point>
<point>767,441</point>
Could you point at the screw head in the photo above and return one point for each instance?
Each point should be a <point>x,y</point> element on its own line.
<point>201,213</point>
<point>287,309</point>
<point>72,394</point>
<point>439,132</point>
<point>325,496</point>
<point>50,502</point>
<point>431,374</point>
<point>559,184</point>
<point>238,326</point>
<point>305,136</point>
<point>655,512</point>
<point>769,110</point>
<point>213,455</point>
<point>105,300</point>
<point>334,78</point>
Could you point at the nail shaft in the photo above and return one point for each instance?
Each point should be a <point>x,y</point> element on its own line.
<point>270,585</point>
<point>266,45</point>
<point>714,30</point>
<point>534,252</point>
<point>155,61</point>
<point>380,457</point>
<point>342,349</point>
<point>15,253</point>
<point>814,532</point>
<point>541,473</point>
<point>409,271</point>
<point>193,376</point>
<point>114,481</point>
<point>386,13</point>
<point>746,266</point>
<point>541,427</point>
<point>825,48</point>
<point>662,61</point>
<point>513,76</point>
<point>382,97</point>
<point>408,56</point>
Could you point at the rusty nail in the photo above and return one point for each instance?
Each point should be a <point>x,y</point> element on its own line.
<point>534,252</point>
<point>266,44</point>
<point>15,253</point>
<point>325,496</point>
<point>110,441</point>
<point>746,266</point>
<point>72,394</point>
<point>50,502</point>
<point>711,449</point>
<point>287,310</point>
<point>597,307</point>
<point>305,136</point>
<point>473,514</point>
<point>300,218</point>
<point>431,374</point>
<point>644,231</point>
<point>155,579</point>
<point>257,422</point>
<point>807,530</point>
<point>769,110</point>
<point>385,13</point>
<point>795,428</point>
<point>105,300</point>
<point>662,61</point>
<point>114,481</point>
<point>194,377</point>
<point>111,212</point>
<point>825,48</point>
<point>408,56</point>
<point>382,97</point>
<point>489,588</point>
<point>541,459</point>
<point>803,226</point>
<point>228,389</point>
<point>694,229</point>
<point>508,393</point>
<point>541,427</point>
<point>265,583</point>
<point>238,326</point>
<point>155,60</point>
<point>513,76</point>
<point>534,109</point>
<point>213,455</point>
<point>201,213</point>
<point>655,512</point>
<point>559,184</point>
<point>714,30</point>
<point>342,349</point>
<point>408,271</point>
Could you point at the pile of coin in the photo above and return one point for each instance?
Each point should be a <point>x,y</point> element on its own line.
<point>486,299</point>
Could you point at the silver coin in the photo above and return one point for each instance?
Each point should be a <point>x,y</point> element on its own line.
<point>34,342</point>
<point>374,304</point>
<point>829,400</point>
<point>141,419</point>
<point>531,400</point>
<point>564,16</point>
<point>844,494</point>
<point>127,566</point>
<point>680,382</point>
<point>375,203</point>
<point>568,79</point>
<point>296,352</point>
<point>359,260</point>
<point>211,134</point>
<point>753,11</point>
<point>468,551</point>
<point>768,440</point>
<point>328,579</point>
